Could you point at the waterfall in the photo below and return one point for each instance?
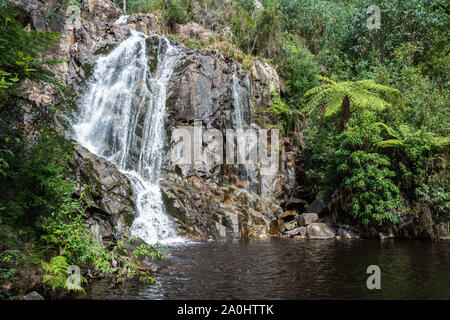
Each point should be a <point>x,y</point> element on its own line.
<point>242,112</point>
<point>122,20</point>
<point>238,101</point>
<point>121,118</point>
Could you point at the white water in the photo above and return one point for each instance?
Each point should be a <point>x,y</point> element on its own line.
<point>122,116</point>
<point>240,122</point>
<point>239,112</point>
<point>122,20</point>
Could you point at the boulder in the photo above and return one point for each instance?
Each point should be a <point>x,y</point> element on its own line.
<point>264,81</point>
<point>112,212</point>
<point>276,227</point>
<point>307,218</point>
<point>320,206</point>
<point>33,296</point>
<point>291,225</point>
<point>300,231</point>
<point>320,231</point>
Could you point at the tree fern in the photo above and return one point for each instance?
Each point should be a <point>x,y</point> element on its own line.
<point>332,97</point>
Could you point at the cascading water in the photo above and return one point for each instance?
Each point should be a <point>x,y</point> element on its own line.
<point>122,116</point>
<point>122,20</point>
<point>239,103</point>
<point>242,111</point>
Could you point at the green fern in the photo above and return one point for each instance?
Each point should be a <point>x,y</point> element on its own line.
<point>407,137</point>
<point>58,273</point>
<point>332,97</point>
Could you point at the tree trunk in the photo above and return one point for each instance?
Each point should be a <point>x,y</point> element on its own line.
<point>124,7</point>
<point>345,111</point>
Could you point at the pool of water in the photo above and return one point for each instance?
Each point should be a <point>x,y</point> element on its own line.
<point>293,269</point>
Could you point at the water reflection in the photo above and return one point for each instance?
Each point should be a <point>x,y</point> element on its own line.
<point>294,269</point>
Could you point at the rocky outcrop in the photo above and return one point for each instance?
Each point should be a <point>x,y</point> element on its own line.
<point>111,211</point>
<point>320,231</point>
<point>265,82</point>
<point>307,218</point>
<point>201,89</point>
<point>204,209</point>
<point>310,225</point>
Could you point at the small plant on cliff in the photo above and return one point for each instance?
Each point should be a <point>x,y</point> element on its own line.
<point>288,116</point>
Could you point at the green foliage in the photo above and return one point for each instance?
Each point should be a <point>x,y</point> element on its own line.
<point>299,68</point>
<point>402,21</point>
<point>178,11</point>
<point>41,188</point>
<point>287,116</point>
<point>20,52</point>
<point>257,34</point>
<point>58,274</point>
<point>351,162</point>
<point>9,261</point>
<point>330,98</point>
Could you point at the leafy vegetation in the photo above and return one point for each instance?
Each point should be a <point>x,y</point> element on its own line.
<point>42,223</point>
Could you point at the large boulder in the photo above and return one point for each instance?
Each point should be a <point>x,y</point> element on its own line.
<point>300,231</point>
<point>320,231</point>
<point>307,218</point>
<point>33,296</point>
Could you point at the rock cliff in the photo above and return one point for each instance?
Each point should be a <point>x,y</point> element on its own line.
<point>217,201</point>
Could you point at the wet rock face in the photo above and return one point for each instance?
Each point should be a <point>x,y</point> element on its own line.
<point>205,209</point>
<point>111,215</point>
<point>219,200</point>
<point>201,90</point>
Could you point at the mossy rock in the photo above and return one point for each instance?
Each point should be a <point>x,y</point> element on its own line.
<point>128,218</point>
<point>152,52</point>
<point>106,50</point>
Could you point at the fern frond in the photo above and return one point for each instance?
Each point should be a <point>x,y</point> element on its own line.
<point>326,79</point>
<point>390,143</point>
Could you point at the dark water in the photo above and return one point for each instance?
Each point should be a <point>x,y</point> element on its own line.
<point>295,269</point>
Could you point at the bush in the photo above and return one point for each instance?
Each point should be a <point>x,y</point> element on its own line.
<point>299,69</point>
<point>351,162</point>
<point>178,11</point>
